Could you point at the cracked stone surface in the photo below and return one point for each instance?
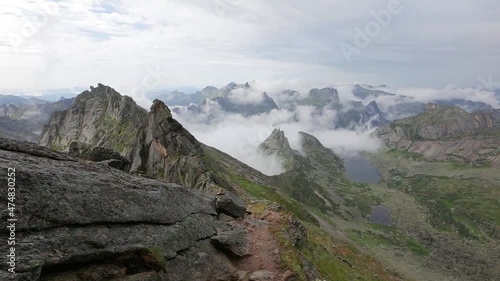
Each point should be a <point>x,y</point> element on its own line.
<point>77,218</point>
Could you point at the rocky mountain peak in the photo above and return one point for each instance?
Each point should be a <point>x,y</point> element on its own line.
<point>100,117</point>
<point>276,140</point>
<point>160,108</point>
<point>373,107</point>
<point>278,144</point>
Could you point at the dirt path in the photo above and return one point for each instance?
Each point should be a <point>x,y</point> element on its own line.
<point>265,249</point>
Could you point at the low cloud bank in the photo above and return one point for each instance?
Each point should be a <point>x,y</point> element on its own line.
<point>240,136</point>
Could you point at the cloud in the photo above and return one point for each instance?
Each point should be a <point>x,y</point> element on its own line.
<point>241,136</point>
<point>114,42</point>
<point>246,96</point>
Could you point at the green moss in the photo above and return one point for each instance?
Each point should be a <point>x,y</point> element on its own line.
<point>158,257</point>
<point>290,257</point>
<point>416,248</point>
<point>119,136</point>
<point>337,260</point>
<point>266,192</point>
<point>406,154</point>
<point>56,147</point>
<point>161,173</point>
<point>461,205</point>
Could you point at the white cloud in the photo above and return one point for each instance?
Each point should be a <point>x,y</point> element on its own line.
<point>246,96</point>
<point>85,42</point>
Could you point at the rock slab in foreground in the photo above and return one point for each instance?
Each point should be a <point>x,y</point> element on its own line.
<point>85,221</point>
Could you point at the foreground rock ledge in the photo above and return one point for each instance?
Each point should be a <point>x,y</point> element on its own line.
<point>88,221</point>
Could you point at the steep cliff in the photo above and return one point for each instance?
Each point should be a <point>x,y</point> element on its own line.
<point>100,117</point>
<point>165,150</point>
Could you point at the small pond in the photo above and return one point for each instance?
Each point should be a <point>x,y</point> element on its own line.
<point>360,170</point>
<point>381,215</point>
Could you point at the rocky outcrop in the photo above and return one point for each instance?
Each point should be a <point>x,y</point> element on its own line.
<point>99,154</point>
<point>165,150</point>
<point>447,133</point>
<point>103,126</point>
<point>278,144</point>
<point>232,238</point>
<point>99,117</point>
<point>315,175</point>
<point>321,97</point>
<point>230,203</point>
<point>86,221</point>
<point>228,104</point>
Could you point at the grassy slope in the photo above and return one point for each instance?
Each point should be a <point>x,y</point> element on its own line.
<point>333,257</point>
<point>456,203</point>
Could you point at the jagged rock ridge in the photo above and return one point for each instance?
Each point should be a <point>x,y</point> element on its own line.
<point>100,117</point>
<point>165,150</point>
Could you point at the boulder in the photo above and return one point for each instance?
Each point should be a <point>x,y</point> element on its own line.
<point>84,220</point>
<point>230,204</point>
<point>262,275</point>
<point>232,238</point>
<point>99,154</point>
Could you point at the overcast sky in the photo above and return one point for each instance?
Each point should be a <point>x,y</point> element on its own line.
<point>151,44</point>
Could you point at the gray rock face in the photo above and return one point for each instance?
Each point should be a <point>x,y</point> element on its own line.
<point>167,151</point>
<point>230,204</point>
<point>232,238</point>
<point>296,232</point>
<point>98,154</point>
<point>101,121</point>
<point>100,117</point>
<point>80,219</point>
<point>278,144</point>
<point>326,95</point>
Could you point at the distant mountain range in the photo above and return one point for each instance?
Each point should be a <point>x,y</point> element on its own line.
<point>25,119</point>
<point>365,111</point>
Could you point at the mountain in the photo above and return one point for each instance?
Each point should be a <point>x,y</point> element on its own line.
<point>356,114</point>
<point>310,221</point>
<point>363,92</point>
<point>176,98</point>
<point>467,105</point>
<point>316,177</point>
<point>26,120</point>
<point>228,104</point>
<point>229,101</point>
<point>321,97</point>
<point>447,133</point>
<point>15,100</point>
<point>101,117</point>
<point>162,149</point>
